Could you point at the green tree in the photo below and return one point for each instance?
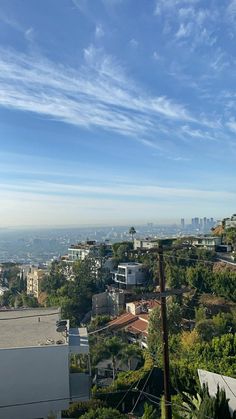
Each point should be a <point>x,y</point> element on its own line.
<point>150,412</point>
<point>130,352</point>
<point>80,408</point>
<point>112,349</point>
<point>132,232</point>
<point>104,413</point>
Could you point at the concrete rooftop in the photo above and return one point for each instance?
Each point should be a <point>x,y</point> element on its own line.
<point>22,328</point>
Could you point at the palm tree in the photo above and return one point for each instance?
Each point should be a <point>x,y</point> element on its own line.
<point>113,347</point>
<point>132,231</point>
<point>130,352</point>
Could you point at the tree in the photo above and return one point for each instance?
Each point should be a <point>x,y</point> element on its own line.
<point>113,347</point>
<point>201,406</point>
<point>130,352</point>
<point>132,232</point>
<point>104,413</point>
<point>78,409</point>
<point>150,412</point>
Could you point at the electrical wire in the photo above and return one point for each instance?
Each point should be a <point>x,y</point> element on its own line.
<point>228,386</point>
<point>148,395</point>
<point>136,383</point>
<point>107,326</point>
<point>141,392</point>
<point>44,401</point>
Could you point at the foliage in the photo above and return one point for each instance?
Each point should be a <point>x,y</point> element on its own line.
<point>150,412</point>
<point>230,236</point>
<point>80,408</point>
<point>104,413</point>
<point>217,326</point>
<point>202,405</point>
<point>98,321</point>
<point>121,251</point>
<point>132,232</point>
<point>74,297</point>
<point>126,379</point>
<point>129,352</point>
<point>218,355</point>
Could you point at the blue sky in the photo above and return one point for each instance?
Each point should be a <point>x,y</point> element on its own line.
<point>116,111</point>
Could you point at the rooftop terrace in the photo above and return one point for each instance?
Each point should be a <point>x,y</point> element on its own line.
<point>29,327</point>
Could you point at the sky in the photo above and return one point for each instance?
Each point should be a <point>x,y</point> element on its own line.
<point>116,111</point>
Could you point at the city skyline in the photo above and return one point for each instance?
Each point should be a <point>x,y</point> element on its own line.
<point>112,114</point>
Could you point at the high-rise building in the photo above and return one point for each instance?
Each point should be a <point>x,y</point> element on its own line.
<point>182,222</point>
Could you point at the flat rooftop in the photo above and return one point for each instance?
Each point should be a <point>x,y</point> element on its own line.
<point>30,327</point>
<point>130,264</point>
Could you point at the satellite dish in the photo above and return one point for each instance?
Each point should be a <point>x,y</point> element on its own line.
<point>61,322</point>
<point>61,328</point>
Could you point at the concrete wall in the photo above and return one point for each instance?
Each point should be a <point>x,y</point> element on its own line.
<point>33,375</point>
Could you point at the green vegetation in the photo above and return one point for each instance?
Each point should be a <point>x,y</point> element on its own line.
<point>74,297</point>
<point>104,413</point>
<point>202,326</point>
<point>201,405</point>
<point>132,232</point>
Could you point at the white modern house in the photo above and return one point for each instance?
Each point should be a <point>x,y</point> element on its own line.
<point>209,242</point>
<point>129,274</point>
<point>230,222</point>
<point>35,357</point>
<point>145,244</point>
<point>80,251</point>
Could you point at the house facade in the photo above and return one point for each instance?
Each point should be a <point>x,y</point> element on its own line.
<point>33,278</point>
<point>35,354</point>
<point>129,274</point>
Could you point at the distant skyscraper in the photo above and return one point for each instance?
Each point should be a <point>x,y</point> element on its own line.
<point>182,222</point>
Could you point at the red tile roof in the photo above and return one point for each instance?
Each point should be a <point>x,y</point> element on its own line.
<point>122,320</point>
<point>138,326</point>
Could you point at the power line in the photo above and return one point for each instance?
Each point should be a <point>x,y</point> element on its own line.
<point>131,386</point>
<point>141,392</point>
<point>228,386</point>
<point>107,326</point>
<point>171,403</point>
<point>43,401</point>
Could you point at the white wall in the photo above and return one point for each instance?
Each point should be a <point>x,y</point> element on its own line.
<point>34,374</point>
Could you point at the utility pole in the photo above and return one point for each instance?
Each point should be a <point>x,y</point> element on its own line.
<point>167,396</point>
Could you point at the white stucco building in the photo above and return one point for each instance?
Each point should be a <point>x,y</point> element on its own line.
<point>80,251</point>
<point>130,274</point>
<point>34,363</point>
<point>145,244</point>
<point>208,242</point>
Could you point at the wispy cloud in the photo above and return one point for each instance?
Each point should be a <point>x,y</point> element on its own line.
<point>231,10</point>
<point>232,125</point>
<point>133,43</point>
<point>29,34</point>
<point>99,32</point>
<point>119,190</point>
<point>99,94</point>
<point>184,30</point>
